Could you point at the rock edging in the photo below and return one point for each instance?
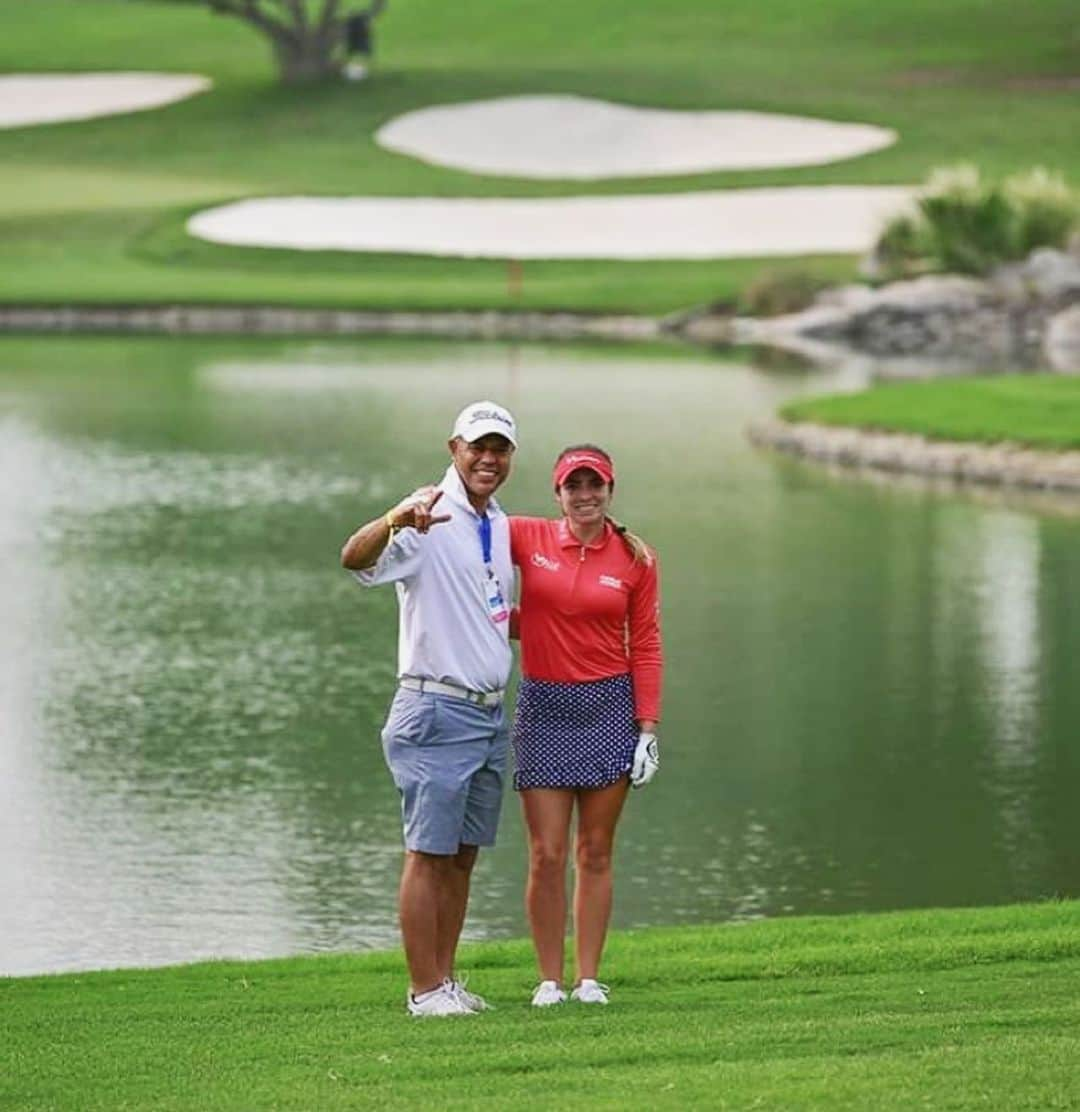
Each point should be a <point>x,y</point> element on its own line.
<point>270,320</point>
<point>1023,315</point>
<point>1003,465</point>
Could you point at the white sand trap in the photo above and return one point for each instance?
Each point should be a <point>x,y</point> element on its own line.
<point>579,138</point>
<point>726,224</point>
<point>52,98</point>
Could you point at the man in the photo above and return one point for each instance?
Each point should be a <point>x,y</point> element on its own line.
<point>447,550</point>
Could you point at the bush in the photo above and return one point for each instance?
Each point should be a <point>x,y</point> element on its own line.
<point>1047,210</point>
<point>970,235</point>
<point>966,226</point>
<point>775,292</point>
<point>902,249</point>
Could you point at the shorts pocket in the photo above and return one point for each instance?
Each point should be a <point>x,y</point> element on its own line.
<point>412,719</point>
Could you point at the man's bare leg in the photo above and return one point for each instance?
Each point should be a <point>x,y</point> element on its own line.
<point>453,901</point>
<point>424,879</point>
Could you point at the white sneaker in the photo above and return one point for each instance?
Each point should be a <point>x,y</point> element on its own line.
<point>439,1001</point>
<point>548,993</point>
<point>590,992</point>
<point>472,1000</point>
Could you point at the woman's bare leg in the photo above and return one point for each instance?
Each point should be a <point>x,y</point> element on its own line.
<point>547,817</point>
<point>598,814</point>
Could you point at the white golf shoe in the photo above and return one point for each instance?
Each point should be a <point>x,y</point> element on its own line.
<point>472,1000</point>
<point>548,993</point>
<point>439,1001</point>
<point>590,992</point>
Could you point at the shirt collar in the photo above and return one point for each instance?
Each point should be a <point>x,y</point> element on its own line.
<point>568,540</point>
<point>454,489</point>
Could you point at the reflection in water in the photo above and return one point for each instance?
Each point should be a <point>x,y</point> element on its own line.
<point>1008,589</point>
<point>25,611</point>
<point>1008,593</point>
<point>863,707</point>
<point>156,819</point>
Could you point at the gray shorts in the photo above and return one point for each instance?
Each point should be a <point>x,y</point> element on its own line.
<point>448,760</point>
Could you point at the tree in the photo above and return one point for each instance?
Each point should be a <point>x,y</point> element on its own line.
<point>310,38</point>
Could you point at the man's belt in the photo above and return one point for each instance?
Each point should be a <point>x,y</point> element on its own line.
<point>454,690</point>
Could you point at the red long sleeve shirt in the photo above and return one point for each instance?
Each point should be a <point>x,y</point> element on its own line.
<point>587,611</point>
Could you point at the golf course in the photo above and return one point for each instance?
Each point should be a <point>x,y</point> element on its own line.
<point>95,210</point>
<point>957,1010</point>
<point>854,883</point>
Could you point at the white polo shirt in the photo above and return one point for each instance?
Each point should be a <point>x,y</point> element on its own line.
<point>445,628</point>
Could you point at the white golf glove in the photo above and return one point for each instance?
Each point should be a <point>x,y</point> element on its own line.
<point>646,760</point>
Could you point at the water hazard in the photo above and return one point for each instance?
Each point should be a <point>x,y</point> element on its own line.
<point>871,698</point>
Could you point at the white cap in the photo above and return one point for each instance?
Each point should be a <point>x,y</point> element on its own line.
<point>482,419</point>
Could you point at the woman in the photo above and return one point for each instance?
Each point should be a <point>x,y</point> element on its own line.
<point>588,706</point>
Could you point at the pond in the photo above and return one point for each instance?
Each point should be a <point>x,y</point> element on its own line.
<point>871,697</point>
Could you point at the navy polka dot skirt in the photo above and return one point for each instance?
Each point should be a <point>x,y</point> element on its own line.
<point>573,735</point>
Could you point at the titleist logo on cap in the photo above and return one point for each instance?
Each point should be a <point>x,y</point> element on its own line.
<point>485,418</point>
<point>489,415</point>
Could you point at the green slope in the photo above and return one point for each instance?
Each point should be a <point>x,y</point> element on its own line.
<point>95,210</point>
<point>938,1009</point>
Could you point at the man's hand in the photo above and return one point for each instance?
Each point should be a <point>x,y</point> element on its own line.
<point>414,511</point>
<point>363,549</point>
<point>646,759</point>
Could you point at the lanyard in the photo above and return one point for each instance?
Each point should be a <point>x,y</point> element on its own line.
<point>496,607</point>
<point>485,538</point>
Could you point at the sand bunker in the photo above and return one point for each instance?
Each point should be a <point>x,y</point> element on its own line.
<point>570,137</point>
<point>726,224</point>
<point>52,98</point>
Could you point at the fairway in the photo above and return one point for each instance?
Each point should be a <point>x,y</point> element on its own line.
<point>1041,411</point>
<point>940,1009</point>
<point>95,210</point>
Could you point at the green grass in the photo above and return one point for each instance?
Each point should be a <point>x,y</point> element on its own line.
<point>1042,411</point>
<point>939,1009</point>
<point>94,211</point>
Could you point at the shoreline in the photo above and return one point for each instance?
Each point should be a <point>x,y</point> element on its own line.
<point>275,320</point>
<point>390,958</point>
<point>1002,465</point>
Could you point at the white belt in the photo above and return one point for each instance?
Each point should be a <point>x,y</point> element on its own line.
<point>454,690</point>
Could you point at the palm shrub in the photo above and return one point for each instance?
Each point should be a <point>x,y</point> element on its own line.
<point>967,226</point>
<point>903,248</point>
<point>1046,209</point>
<point>971,226</point>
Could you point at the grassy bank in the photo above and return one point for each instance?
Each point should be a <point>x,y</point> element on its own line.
<point>941,1009</point>
<point>1042,411</point>
<point>94,211</point>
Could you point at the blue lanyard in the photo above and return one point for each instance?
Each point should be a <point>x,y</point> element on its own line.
<point>485,538</point>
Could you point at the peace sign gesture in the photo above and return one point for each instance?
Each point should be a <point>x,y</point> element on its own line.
<point>415,511</point>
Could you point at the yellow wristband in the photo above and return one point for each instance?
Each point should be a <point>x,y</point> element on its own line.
<point>390,523</point>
